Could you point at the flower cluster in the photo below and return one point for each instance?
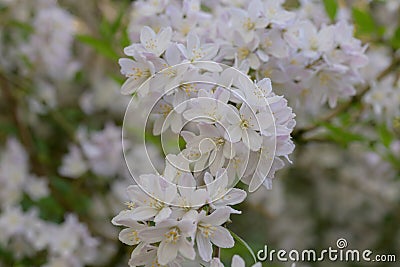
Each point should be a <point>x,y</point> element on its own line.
<point>24,231</point>
<point>310,61</point>
<point>241,126</point>
<point>384,99</point>
<point>167,225</point>
<point>232,128</point>
<point>40,47</point>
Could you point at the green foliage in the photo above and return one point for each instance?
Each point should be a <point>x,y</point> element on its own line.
<point>365,23</point>
<point>110,32</point>
<point>99,45</point>
<point>341,135</point>
<point>331,7</point>
<point>50,209</point>
<point>70,196</point>
<point>244,245</point>
<point>395,41</point>
<point>385,136</point>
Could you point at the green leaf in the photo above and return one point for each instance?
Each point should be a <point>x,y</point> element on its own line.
<point>331,7</point>
<point>100,46</point>
<point>27,28</point>
<point>341,135</point>
<point>365,23</point>
<point>105,29</point>
<point>385,135</point>
<point>395,41</point>
<point>244,244</point>
<point>50,209</point>
<point>125,41</point>
<point>118,21</point>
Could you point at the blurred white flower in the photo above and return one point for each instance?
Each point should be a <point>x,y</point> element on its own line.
<point>73,163</point>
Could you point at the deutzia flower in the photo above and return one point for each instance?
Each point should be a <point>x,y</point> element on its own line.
<point>138,71</point>
<point>129,235</point>
<point>142,206</point>
<point>146,255</point>
<point>151,42</point>
<point>248,21</point>
<point>194,50</point>
<point>172,236</point>
<point>245,125</point>
<point>221,194</point>
<point>209,231</point>
<point>73,163</point>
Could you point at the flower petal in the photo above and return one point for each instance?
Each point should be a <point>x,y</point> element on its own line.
<point>204,247</point>
<point>167,252</point>
<point>222,238</point>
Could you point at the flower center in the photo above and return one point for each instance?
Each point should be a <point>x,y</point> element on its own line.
<point>165,109</point>
<point>243,52</point>
<point>188,88</point>
<point>220,141</point>
<point>130,204</point>
<point>248,24</point>
<point>244,124</point>
<point>172,236</point>
<point>207,230</point>
<point>197,53</point>
<point>156,204</point>
<point>139,73</point>
<point>134,236</point>
<point>151,44</point>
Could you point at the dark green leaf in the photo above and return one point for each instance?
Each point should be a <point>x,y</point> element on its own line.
<point>331,7</point>
<point>244,244</point>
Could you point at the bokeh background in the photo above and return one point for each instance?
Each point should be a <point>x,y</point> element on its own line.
<point>62,171</point>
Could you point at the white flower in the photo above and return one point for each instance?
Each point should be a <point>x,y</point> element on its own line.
<point>243,50</point>
<point>73,163</point>
<point>194,50</point>
<point>237,261</point>
<point>103,149</point>
<point>384,99</point>
<point>307,37</point>
<point>329,85</point>
<point>146,255</point>
<point>208,108</point>
<point>272,43</point>
<point>129,235</point>
<point>275,14</point>
<point>189,195</point>
<point>142,206</point>
<point>245,125</point>
<point>210,231</point>
<point>172,236</point>
<point>151,42</point>
<point>12,222</point>
<point>169,110</point>
<point>49,48</point>
<point>37,187</point>
<point>138,71</point>
<point>211,143</point>
<point>220,191</point>
<point>248,21</point>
